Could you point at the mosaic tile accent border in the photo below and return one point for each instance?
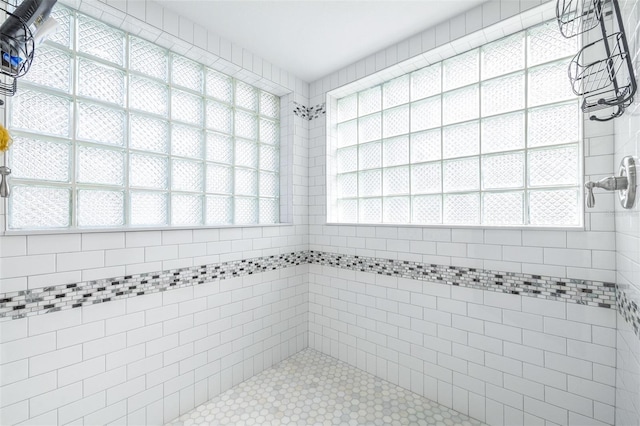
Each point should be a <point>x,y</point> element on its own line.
<point>583,292</point>
<point>628,309</point>
<point>56,298</point>
<point>68,296</point>
<point>309,113</point>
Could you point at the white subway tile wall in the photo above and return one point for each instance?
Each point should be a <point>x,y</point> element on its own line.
<point>627,240</point>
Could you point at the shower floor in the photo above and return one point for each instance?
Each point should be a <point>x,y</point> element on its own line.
<point>311,388</point>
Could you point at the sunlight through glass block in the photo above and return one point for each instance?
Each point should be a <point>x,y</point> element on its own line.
<point>65,21</point>
<point>148,95</point>
<point>38,207</point>
<point>246,182</point>
<point>502,95</point>
<point>246,154</point>
<point>502,56</point>
<point>219,148</point>
<point>348,185</point>
<point>503,133</point>
<point>462,209</point>
<point>426,209</point>
<point>219,117</point>
<point>219,86</point>
<point>51,68</point>
<point>545,43</point>
<point>269,185</point>
<point>148,171</point>
<point>246,125</point>
<point>246,210</point>
<point>396,121</point>
<point>100,40</point>
<point>348,108</point>
<point>219,179</point>
<point>186,107</point>
<point>395,151</point>
<point>246,96</point>
<point>39,159</point>
<point>396,210</point>
<point>396,92</point>
<point>426,178</point>
<point>425,146</point>
<point>461,175</point>
<point>186,73</point>
<point>148,58</point>
<point>370,156</point>
<point>269,209</point>
<point>100,208</point>
<point>426,114</point>
<point>348,211</point>
<point>100,124</point>
<point>219,210</point>
<point>395,181</point>
<point>554,208</point>
<point>269,105</point>
<point>503,208</point>
<point>370,183</point>
<point>461,70</point>
<point>370,128</point>
<point>186,175</point>
<point>347,159</point>
<point>269,158</point>
<point>348,133</point>
<point>461,140</point>
<point>100,166</point>
<point>370,210</point>
<point>554,166</point>
<point>148,134</point>
<point>40,113</point>
<point>426,82</point>
<point>554,124</point>
<point>101,82</point>
<point>269,131</point>
<point>186,210</point>
<point>549,83</point>
<point>503,171</point>
<point>148,208</point>
<point>186,141</point>
<point>370,101</point>
<point>460,105</point>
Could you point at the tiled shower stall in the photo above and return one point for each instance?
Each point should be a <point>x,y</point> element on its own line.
<point>139,327</point>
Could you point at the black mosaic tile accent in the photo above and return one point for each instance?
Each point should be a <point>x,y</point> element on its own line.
<point>628,307</point>
<point>591,293</point>
<point>68,296</point>
<point>309,113</point>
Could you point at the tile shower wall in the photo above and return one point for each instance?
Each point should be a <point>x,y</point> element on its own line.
<point>146,359</point>
<point>505,359</point>
<point>627,142</point>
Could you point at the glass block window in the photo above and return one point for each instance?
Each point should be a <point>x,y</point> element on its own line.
<point>490,137</point>
<point>113,131</point>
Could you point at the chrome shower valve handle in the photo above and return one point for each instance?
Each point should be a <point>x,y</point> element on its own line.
<point>624,183</point>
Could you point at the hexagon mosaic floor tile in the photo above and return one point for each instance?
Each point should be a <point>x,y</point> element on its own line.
<point>310,388</point>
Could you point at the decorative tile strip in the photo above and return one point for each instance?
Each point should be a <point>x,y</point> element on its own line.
<point>592,293</point>
<point>68,296</point>
<point>628,308</point>
<point>309,113</point>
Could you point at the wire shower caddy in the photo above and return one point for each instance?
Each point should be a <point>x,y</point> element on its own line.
<point>602,71</point>
<point>14,47</point>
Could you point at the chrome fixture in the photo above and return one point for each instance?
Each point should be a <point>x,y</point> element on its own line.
<point>625,183</point>
<point>4,181</point>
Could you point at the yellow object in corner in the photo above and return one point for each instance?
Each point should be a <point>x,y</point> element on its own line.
<point>5,139</point>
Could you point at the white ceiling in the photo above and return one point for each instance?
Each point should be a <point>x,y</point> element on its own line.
<point>313,38</point>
